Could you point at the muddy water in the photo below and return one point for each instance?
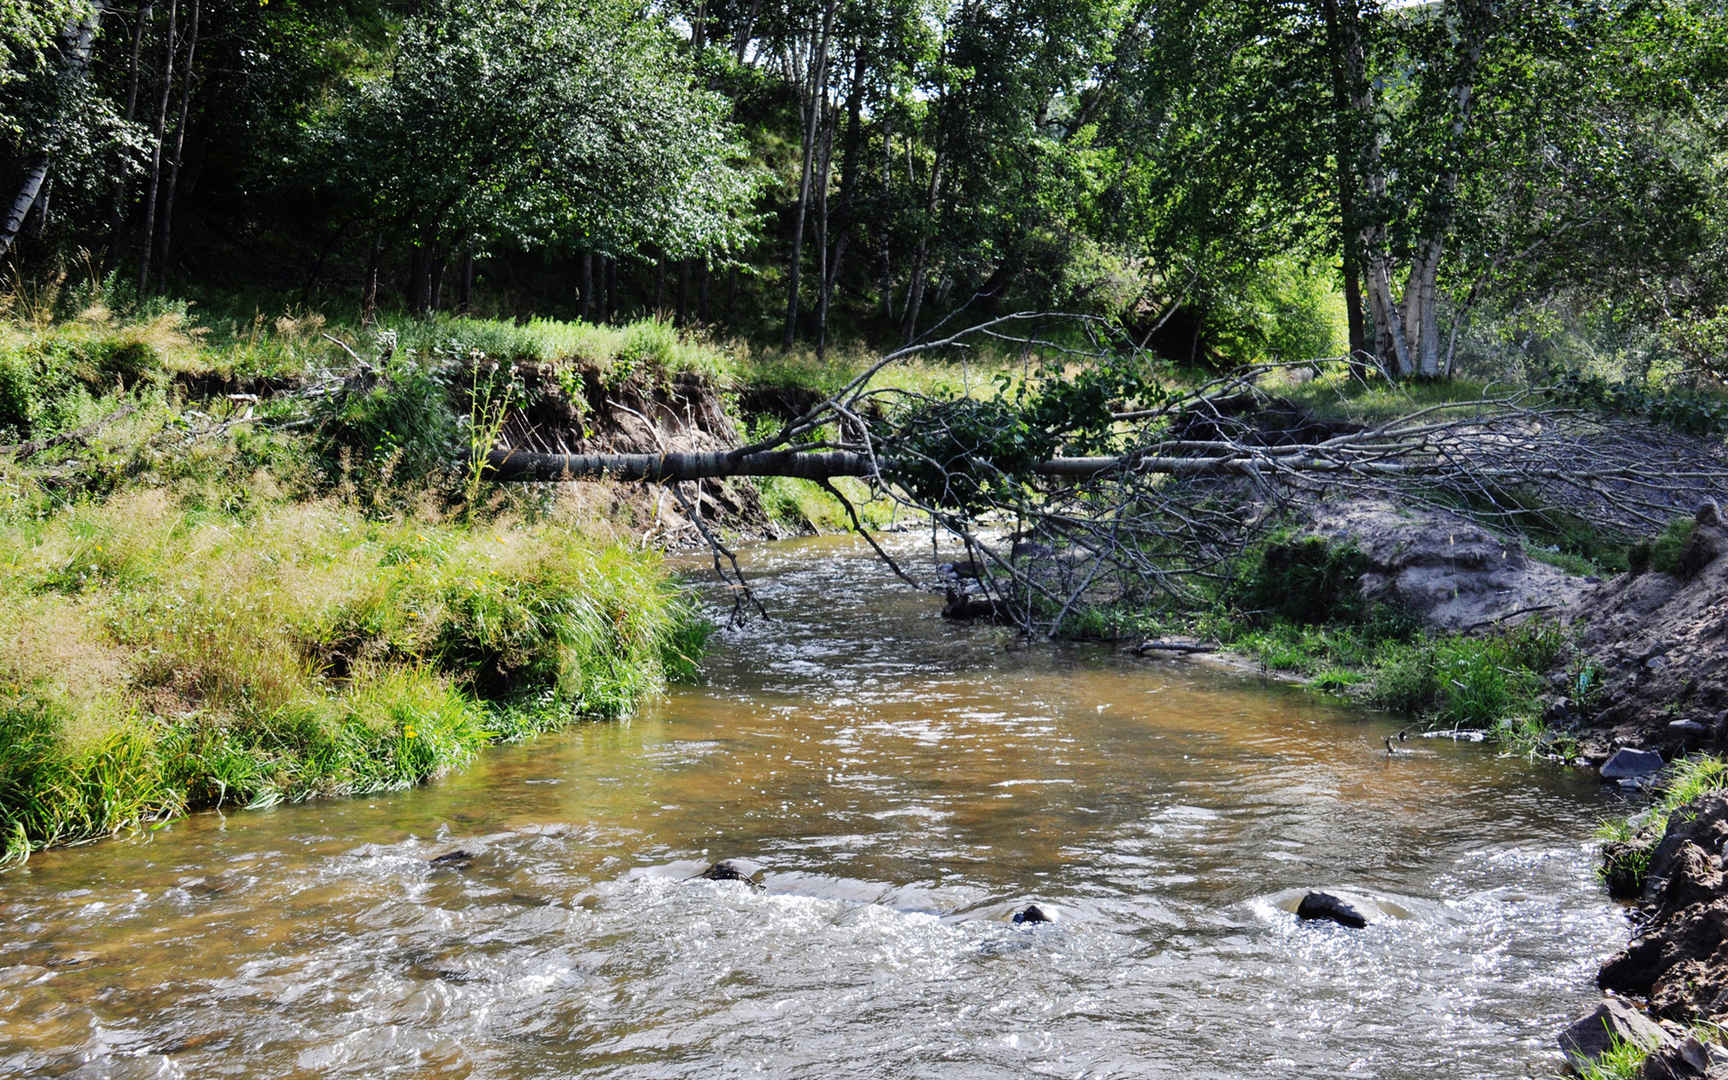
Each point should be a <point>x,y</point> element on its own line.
<point>909,785</point>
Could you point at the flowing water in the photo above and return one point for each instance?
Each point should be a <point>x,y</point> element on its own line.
<point>908,785</point>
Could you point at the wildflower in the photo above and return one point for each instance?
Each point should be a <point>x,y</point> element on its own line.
<point>408,731</point>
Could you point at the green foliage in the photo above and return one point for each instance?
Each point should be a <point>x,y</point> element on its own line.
<point>1489,683</point>
<point>163,659</point>
<point>401,426</point>
<point>1624,1060</point>
<point>972,453</point>
<point>1663,553</point>
<point>506,124</point>
<point>1691,411</point>
<point>1305,580</point>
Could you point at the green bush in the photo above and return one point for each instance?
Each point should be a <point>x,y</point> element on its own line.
<point>1693,412</point>
<point>1664,552</point>
<point>1305,580</point>
<point>400,426</point>
<point>17,393</point>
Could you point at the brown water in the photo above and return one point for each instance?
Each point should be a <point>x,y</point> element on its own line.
<point>908,784</point>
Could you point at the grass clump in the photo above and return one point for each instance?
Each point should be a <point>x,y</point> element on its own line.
<point>1295,606</point>
<point>1629,843</point>
<point>1303,580</point>
<point>160,658</point>
<point>1623,1060</point>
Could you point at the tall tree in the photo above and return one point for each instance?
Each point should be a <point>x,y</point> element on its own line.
<point>60,104</point>
<point>535,123</point>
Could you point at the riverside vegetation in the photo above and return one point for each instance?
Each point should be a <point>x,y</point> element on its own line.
<point>220,601</point>
<point>238,565</point>
<point>238,569</point>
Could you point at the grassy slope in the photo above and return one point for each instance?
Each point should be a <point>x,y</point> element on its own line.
<point>194,611</point>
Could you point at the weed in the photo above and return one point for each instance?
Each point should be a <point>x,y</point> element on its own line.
<point>1623,1060</point>
<point>1665,552</point>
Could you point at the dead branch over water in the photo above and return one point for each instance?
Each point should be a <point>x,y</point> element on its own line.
<point>1195,477</point>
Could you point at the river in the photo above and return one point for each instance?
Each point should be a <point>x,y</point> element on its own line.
<point>908,785</point>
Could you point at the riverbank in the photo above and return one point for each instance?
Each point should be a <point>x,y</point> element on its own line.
<point>162,658</point>
<point>233,573</point>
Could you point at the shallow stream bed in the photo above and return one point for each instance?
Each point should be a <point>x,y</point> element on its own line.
<point>909,785</point>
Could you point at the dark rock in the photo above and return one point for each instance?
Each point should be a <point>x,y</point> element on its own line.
<point>1030,549</point>
<point>1680,960</point>
<point>964,606</point>
<point>1612,1021</point>
<point>743,870</point>
<point>453,860</point>
<point>1630,764</point>
<point>1703,823</point>
<point>1691,730</point>
<point>1032,914</point>
<point>1319,905</point>
<point>1687,1059</point>
<point>967,569</point>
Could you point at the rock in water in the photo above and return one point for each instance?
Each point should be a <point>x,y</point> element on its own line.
<point>1630,764</point>
<point>453,860</point>
<point>1319,905</point>
<point>1032,914</point>
<point>743,870</point>
<point>1612,1021</point>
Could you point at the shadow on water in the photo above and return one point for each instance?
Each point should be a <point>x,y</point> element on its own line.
<point>908,786</point>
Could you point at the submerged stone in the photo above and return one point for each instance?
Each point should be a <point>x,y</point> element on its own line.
<point>743,870</point>
<point>1032,914</point>
<point>1319,905</point>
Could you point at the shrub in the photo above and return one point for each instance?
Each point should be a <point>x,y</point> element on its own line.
<point>1664,552</point>
<point>1306,580</point>
<point>399,426</point>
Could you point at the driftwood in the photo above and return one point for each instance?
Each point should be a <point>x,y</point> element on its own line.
<point>1173,647</point>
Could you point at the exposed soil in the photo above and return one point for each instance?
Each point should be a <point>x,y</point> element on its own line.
<point>1661,643</point>
<point>643,415</point>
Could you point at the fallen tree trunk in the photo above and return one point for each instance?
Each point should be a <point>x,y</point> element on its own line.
<point>522,465</point>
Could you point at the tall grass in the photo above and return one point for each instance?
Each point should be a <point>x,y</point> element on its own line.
<point>156,659</point>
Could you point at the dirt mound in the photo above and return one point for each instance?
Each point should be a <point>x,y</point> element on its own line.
<point>645,414</point>
<point>1451,572</point>
<point>1660,645</point>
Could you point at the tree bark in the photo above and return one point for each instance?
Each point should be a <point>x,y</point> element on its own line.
<point>1345,152</point>
<point>179,142</point>
<point>815,95</point>
<point>80,37</point>
<point>149,246</point>
<point>369,299</point>
<point>465,284</point>
<point>585,306</point>
<point>916,282</point>
<point>117,214</point>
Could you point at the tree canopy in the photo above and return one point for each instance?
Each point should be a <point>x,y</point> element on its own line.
<point>1231,180</point>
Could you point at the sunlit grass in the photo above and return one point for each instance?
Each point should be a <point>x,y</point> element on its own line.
<point>155,659</point>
